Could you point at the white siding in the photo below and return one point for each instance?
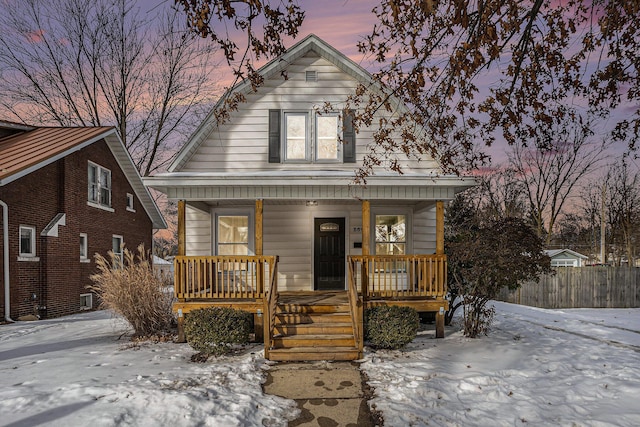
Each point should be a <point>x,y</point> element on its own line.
<point>424,231</point>
<point>288,233</point>
<point>242,144</point>
<point>198,232</point>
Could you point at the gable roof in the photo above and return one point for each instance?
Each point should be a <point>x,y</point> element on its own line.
<point>35,147</point>
<point>272,69</point>
<point>555,252</point>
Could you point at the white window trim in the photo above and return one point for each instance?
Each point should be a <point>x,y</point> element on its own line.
<point>85,258</point>
<point>97,204</point>
<point>392,211</point>
<point>32,254</point>
<point>233,212</point>
<point>307,139</point>
<point>130,207</point>
<point>338,158</point>
<point>89,297</point>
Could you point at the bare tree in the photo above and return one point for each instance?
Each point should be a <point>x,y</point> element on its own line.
<point>103,62</point>
<point>623,208</point>
<point>551,168</point>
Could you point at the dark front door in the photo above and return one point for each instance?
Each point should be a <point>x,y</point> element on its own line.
<point>329,254</point>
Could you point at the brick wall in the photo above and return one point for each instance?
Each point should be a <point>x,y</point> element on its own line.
<point>59,277</point>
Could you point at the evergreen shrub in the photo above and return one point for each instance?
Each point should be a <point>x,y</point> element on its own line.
<point>391,327</point>
<point>214,330</point>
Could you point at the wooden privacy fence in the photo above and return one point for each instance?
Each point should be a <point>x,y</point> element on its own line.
<point>584,287</point>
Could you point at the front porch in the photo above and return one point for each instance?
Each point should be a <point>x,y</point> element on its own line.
<point>311,325</point>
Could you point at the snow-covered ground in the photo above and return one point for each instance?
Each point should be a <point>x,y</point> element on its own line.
<point>537,367</point>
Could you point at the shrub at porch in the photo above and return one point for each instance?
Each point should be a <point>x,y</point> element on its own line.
<point>130,288</point>
<point>391,327</point>
<point>214,330</point>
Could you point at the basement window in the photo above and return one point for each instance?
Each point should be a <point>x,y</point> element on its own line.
<point>86,301</point>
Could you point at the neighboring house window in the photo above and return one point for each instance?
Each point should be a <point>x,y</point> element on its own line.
<point>311,137</point>
<point>84,251</point>
<point>27,241</point>
<point>130,202</point>
<point>391,237</point>
<point>564,263</point>
<point>233,234</point>
<point>117,250</point>
<point>99,185</point>
<point>86,301</point>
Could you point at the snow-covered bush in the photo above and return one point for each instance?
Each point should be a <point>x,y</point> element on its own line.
<point>129,287</point>
<point>213,330</point>
<point>390,326</point>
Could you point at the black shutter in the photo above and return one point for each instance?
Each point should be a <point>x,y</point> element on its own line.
<point>348,137</point>
<point>274,136</point>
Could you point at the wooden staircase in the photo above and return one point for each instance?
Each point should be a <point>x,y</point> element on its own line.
<point>313,332</point>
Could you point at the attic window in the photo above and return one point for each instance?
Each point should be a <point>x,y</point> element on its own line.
<point>311,76</point>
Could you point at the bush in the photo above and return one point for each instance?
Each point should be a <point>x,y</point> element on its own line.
<point>130,288</point>
<point>390,326</point>
<point>214,330</point>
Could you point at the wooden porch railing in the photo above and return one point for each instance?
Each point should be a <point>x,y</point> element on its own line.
<point>399,276</point>
<point>222,277</point>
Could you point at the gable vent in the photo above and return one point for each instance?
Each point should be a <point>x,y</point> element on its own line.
<point>311,76</point>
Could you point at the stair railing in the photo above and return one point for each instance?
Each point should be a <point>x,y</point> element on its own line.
<point>356,309</point>
<point>270,305</point>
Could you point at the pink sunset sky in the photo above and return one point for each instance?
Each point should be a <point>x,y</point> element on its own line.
<point>342,24</point>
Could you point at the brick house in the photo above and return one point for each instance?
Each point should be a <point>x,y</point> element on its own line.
<point>66,193</point>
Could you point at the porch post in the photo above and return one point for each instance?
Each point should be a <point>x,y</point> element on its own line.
<point>181,252</point>
<point>366,248</point>
<point>258,319</point>
<point>258,228</point>
<point>440,251</point>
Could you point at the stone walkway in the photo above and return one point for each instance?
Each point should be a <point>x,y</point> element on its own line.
<point>328,393</point>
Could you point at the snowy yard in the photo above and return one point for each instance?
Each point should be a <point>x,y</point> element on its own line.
<point>537,367</point>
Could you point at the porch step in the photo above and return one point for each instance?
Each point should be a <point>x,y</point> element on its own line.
<point>306,318</point>
<point>323,341</point>
<point>314,353</point>
<point>333,328</point>
<point>312,308</point>
<point>313,331</point>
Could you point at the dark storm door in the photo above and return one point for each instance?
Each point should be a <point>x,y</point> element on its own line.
<point>329,254</point>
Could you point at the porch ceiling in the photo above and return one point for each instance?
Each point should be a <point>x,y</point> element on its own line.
<point>312,185</point>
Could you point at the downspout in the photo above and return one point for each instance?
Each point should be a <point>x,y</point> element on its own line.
<point>5,269</point>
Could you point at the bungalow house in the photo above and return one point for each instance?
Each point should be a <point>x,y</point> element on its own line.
<point>66,193</point>
<point>566,258</point>
<point>269,220</point>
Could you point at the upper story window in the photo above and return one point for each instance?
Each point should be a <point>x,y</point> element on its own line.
<point>319,143</point>
<point>99,187</point>
<point>27,241</point>
<point>296,136</point>
<point>130,207</point>
<point>302,136</point>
